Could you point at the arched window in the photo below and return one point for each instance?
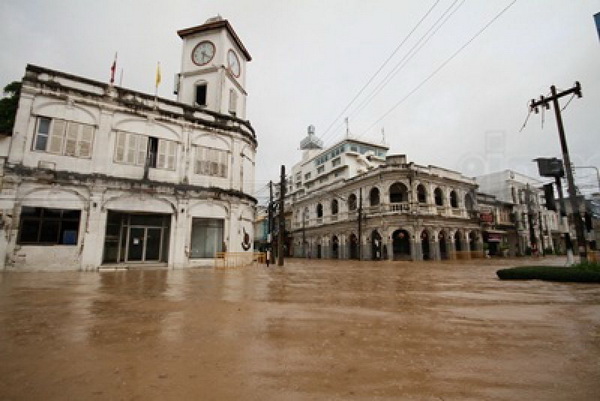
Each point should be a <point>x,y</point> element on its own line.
<point>319,210</point>
<point>469,204</point>
<point>453,199</point>
<point>439,197</point>
<point>398,193</point>
<point>421,194</point>
<point>334,206</point>
<point>374,197</point>
<point>352,202</point>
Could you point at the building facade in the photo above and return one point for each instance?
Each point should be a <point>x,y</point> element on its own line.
<point>354,201</point>
<point>95,174</point>
<point>514,215</point>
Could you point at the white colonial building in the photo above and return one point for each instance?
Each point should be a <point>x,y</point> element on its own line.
<point>530,225</point>
<point>95,174</point>
<point>354,201</point>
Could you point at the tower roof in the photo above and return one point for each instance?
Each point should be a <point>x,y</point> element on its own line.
<point>214,24</point>
<point>311,141</point>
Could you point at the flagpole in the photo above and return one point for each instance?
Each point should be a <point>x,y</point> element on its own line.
<point>121,78</point>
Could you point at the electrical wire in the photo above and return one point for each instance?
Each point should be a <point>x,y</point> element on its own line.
<point>526,119</point>
<point>379,69</point>
<point>448,60</point>
<point>425,38</point>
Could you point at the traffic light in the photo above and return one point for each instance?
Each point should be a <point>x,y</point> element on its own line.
<point>549,195</point>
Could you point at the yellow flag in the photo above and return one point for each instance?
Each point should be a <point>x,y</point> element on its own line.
<point>158,77</point>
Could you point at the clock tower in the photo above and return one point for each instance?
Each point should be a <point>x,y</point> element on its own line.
<point>213,68</point>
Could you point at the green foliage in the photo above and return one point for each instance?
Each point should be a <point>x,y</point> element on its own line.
<point>588,266</point>
<point>8,107</point>
<point>582,273</point>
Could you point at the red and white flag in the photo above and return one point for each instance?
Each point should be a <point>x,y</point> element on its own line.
<point>113,67</point>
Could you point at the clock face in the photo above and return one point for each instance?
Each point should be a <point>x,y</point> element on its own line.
<point>203,53</point>
<point>234,63</point>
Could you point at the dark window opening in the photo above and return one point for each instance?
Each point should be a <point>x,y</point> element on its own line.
<point>421,194</point>
<point>453,199</point>
<point>352,202</point>
<point>49,226</point>
<point>439,197</point>
<point>201,95</point>
<point>152,151</point>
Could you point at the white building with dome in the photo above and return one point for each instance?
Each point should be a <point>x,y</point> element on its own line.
<point>354,201</point>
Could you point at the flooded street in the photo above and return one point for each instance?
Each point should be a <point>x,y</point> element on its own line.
<point>313,330</point>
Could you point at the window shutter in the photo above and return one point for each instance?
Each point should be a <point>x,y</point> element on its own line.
<point>120,147</point>
<point>206,161</point>
<point>224,164</point>
<point>57,136</point>
<point>142,149</point>
<point>172,155</point>
<point>71,140</point>
<point>131,147</point>
<point>162,153</point>
<point>214,162</point>
<point>86,139</point>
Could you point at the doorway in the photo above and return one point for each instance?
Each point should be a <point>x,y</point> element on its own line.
<point>136,238</point>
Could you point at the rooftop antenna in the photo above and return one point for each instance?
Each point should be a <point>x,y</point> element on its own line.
<point>347,128</point>
<point>383,135</point>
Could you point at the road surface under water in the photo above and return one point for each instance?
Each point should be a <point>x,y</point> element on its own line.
<point>312,330</point>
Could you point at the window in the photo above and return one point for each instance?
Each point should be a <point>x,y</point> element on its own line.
<point>352,202</point>
<point>131,148</point>
<point>207,237</point>
<point>421,194</point>
<point>134,149</point>
<point>167,153</point>
<point>398,193</point>
<point>439,197</point>
<point>334,207</point>
<point>49,226</point>
<point>211,161</point>
<point>307,176</point>
<point>43,132</point>
<point>336,162</point>
<point>453,199</point>
<point>321,169</point>
<point>201,91</point>
<point>319,210</point>
<point>67,138</point>
<point>374,197</point>
<point>233,101</point>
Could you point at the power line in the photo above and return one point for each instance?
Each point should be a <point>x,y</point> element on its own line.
<point>425,38</point>
<point>437,70</point>
<point>380,68</point>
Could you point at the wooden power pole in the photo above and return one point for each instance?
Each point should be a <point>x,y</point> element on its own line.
<point>281,233</point>
<point>545,101</point>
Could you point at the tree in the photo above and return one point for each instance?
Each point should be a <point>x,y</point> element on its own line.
<point>8,107</point>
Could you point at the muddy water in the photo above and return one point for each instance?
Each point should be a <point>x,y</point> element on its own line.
<point>313,330</point>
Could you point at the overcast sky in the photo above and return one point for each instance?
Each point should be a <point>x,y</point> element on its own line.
<point>312,57</point>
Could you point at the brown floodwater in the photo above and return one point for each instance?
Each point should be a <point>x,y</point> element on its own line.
<point>312,330</point>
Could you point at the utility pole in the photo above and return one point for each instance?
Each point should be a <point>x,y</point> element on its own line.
<point>270,235</point>
<point>532,239</point>
<point>562,212</point>
<point>359,223</point>
<point>281,219</point>
<point>567,160</point>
